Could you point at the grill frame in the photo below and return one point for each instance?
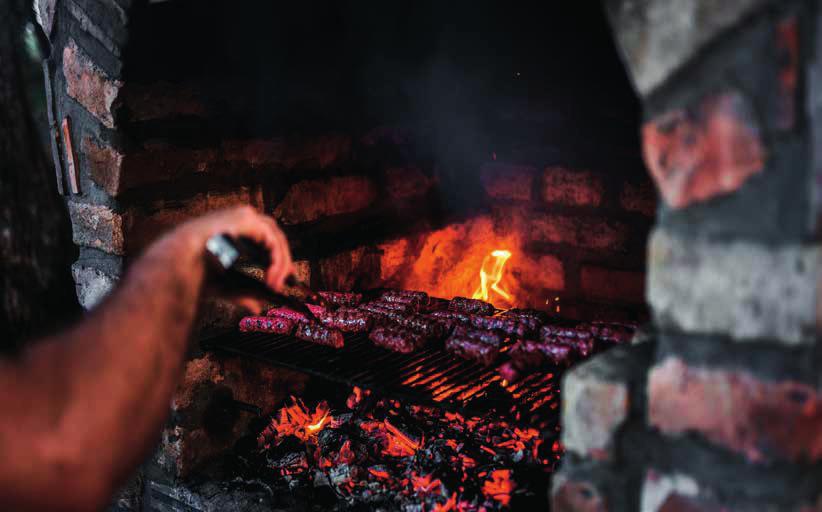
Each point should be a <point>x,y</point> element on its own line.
<point>430,376</point>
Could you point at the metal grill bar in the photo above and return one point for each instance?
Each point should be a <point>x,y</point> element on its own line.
<point>428,376</point>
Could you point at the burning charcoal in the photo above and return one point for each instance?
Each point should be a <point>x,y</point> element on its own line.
<point>290,463</point>
<point>474,306</point>
<point>342,298</point>
<point>340,474</point>
<point>279,325</point>
<point>396,339</point>
<point>316,333</point>
<point>347,319</point>
<point>509,326</point>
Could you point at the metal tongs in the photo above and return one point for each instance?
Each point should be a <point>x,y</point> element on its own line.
<point>225,252</point>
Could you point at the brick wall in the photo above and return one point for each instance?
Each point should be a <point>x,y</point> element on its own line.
<point>720,411</point>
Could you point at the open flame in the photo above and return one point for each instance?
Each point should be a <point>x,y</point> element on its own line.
<point>299,421</point>
<point>491,274</point>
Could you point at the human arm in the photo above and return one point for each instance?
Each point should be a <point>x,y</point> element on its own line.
<point>81,409</point>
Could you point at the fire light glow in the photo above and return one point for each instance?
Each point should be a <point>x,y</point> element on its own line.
<point>491,274</point>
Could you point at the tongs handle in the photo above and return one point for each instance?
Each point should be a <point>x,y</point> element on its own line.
<point>224,252</point>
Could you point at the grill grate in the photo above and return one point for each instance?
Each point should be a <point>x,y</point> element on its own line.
<point>430,376</point>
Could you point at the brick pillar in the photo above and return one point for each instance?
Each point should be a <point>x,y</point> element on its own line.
<point>729,414</point>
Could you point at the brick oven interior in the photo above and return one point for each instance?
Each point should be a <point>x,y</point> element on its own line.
<point>398,148</point>
<point>509,153</point>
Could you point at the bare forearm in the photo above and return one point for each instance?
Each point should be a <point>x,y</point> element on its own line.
<point>97,395</point>
<point>83,408</point>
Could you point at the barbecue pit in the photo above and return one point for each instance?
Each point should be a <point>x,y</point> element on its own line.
<point>493,152</point>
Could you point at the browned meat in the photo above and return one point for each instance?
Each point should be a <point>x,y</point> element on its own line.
<point>450,319</point>
<point>487,337</point>
<point>342,298</point>
<point>474,306</point>
<point>551,331</point>
<point>422,325</point>
<point>539,316</point>
<point>347,319</point>
<point>396,339</point>
<point>276,324</point>
<point>405,297</point>
<point>532,319</point>
<point>613,332</point>
<point>285,312</point>
<point>380,307</point>
<point>320,334</point>
<point>470,348</point>
<point>528,356</point>
<point>509,326</point>
<point>481,346</point>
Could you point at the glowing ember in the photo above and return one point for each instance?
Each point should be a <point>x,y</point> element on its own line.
<point>298,421</point>
<point>425,484</point>
<point>499,487</point>
<point>491,274</point>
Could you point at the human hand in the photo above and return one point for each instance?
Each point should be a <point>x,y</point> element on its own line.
<point>245,222</point>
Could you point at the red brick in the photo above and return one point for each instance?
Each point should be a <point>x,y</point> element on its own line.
<point>89,85</point>
<point>549,273</point>
<point>105,165</point>
<point>571,188</point>
<point>617,285</point>
<point>787,44</point>
<point>316,152</point>
<point>596,403</point>
<point>161,100</point>
<point>639,198</point>
<point>588,233</point>
<point>314,199</point>
<point>357,269</point>
<point>505,181</point>
<point>704,151</point>
<point>98,227</point>
<point>762,420</point>
<point>407,182</point>
<point>145,225</point>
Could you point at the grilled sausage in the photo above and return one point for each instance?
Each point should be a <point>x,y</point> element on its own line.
<point>275,324</point>
<point>320,334</point>
<point>396,339</point>
<point>474,306</point>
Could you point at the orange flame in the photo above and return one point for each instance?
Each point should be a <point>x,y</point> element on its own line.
<point>491,274</point>
<point>298,421</point>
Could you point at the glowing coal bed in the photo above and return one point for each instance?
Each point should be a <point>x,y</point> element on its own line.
<point>369,453</point>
